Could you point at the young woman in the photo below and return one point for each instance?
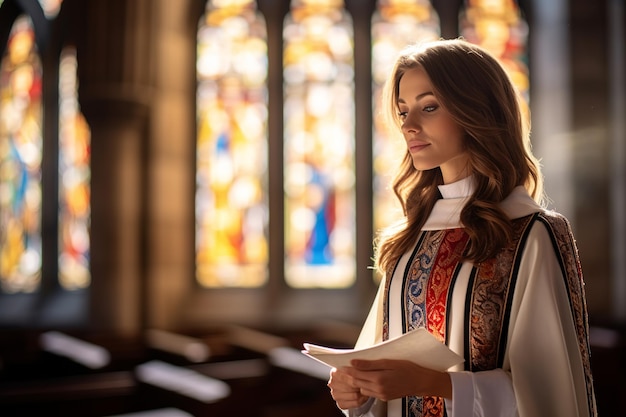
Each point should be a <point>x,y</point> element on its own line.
<point>477,260</point>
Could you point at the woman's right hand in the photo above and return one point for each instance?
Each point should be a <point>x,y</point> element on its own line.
<point>343,390</point>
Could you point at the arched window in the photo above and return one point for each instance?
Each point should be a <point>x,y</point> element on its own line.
<point>318,75</point>
<point>231,194</point>
<point>44,169</point>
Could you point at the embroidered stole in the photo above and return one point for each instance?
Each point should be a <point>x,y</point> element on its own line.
<point>427,287</point>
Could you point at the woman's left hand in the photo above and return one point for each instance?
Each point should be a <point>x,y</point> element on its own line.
<point>388,379</point>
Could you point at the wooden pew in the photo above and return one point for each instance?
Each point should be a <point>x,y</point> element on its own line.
<point>35,382</point>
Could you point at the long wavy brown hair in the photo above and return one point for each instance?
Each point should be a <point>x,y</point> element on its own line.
<point>474,88</point>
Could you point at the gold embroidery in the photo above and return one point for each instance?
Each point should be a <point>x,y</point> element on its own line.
<point>426,287</point>
<point>488,303</point>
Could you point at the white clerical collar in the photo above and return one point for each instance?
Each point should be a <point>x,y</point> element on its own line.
<point>447,211</point>
<point>459,189</point>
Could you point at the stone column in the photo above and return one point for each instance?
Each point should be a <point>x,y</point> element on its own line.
<point>114,51</point>
<point>170,241</point>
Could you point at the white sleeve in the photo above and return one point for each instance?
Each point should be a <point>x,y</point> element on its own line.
<point>372,408</point>
<point>544,345</point>
<point>482,394</point>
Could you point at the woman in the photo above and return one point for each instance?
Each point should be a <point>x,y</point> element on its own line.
<point>477,260</point>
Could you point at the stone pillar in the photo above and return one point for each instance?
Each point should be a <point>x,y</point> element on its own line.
<point>170,237</point>
<point>114,54</point>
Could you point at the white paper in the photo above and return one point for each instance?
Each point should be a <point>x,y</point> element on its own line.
<point>418,346</point>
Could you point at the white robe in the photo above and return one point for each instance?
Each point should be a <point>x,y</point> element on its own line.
<point>546,369</point>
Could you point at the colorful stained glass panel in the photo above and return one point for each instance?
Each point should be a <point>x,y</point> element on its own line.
<point>20,161</point>
<point>318,72</point>
<point>74,180</point>
<point>231,182</point>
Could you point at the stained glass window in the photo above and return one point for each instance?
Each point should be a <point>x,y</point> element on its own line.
<point>499,27</point>
<point>74,180</point>
<point>318,72</point>
<point>231,188</point>
<point>20,160</point>
<point>395,24</point>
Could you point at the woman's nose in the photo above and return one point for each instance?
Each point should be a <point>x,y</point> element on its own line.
<point>410,125</point>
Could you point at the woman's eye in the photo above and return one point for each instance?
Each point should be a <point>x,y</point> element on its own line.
<point>429,109</point>
<point>402,115</point>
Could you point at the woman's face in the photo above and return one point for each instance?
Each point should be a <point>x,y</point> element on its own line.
<point>432,137</point>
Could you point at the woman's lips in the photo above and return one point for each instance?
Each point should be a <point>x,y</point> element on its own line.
<point>417,146</point>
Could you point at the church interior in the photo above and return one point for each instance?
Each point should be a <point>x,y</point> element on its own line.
<point>170,235</point>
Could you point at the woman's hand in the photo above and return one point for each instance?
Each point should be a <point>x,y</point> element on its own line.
<point>388,379</point>
<point>343,390</point>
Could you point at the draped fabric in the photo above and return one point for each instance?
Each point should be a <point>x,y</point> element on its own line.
<point>519,319</point>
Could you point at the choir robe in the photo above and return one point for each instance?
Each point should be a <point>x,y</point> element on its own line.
<point>519,320</point>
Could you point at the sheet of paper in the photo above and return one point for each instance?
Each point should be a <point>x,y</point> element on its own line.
<point>418,346</point>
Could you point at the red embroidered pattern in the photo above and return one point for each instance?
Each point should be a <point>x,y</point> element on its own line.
<point>449,256</point>
<point>426,289</point>
<point>433,407</point>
